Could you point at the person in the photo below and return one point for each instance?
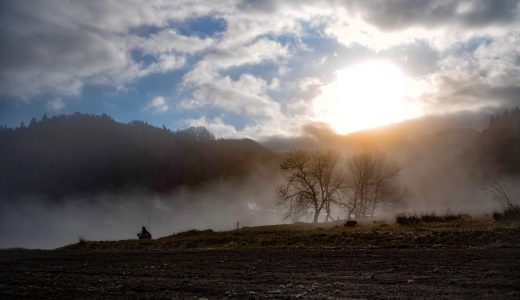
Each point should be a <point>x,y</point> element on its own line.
<point>144,234</point>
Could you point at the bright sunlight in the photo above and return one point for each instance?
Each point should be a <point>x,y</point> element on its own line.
<point>367,95</point>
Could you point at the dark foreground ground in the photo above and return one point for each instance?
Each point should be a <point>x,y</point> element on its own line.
<point>258,274</point>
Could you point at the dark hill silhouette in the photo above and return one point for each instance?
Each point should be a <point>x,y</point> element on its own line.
<point>88,154</point>
<point>500,143</point>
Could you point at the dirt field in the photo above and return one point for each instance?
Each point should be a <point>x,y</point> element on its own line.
<point>260,274</point>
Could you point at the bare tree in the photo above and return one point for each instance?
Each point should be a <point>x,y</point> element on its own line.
<point>315,181</point>
<point>312,182</point>
<point>502,197</point>
<point>371,183</point>
<point>387,193</point>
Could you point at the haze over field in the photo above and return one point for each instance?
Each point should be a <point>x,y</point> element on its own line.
<point>222,89</point>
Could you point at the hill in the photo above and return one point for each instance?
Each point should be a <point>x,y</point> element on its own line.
<point>88,154</point>
<point>460,233</point>
<point>499,145</point>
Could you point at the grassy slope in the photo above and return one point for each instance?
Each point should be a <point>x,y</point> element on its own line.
<point>475,232</point>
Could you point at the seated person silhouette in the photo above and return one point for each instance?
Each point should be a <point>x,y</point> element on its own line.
<point>144,234</point>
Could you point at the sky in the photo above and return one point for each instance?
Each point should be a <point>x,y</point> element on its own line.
<point>257,68</point>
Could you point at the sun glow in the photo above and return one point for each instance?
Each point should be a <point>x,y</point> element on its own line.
<point>367,95</point>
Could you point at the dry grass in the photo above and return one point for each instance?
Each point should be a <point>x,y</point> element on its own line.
<point>474,232</point>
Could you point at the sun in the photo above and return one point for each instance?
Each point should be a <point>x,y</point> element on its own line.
<point>367,95</point>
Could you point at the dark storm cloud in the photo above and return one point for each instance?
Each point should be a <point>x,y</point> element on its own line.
<point>55,56</point>
<point>392,15</point>
<point>474,95</point>
<point>43,47</point>
<point>58,46</point>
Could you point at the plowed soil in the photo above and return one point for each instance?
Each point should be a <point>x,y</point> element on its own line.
<point>492,273</point>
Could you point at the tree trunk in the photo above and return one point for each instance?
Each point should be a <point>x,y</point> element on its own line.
<point>373,209</point>
<point>317,210</point>
<point>327,210</point>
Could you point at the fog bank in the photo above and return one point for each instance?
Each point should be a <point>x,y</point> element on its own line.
<point>35,223</point>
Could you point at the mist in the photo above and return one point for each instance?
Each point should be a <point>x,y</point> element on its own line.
<point>34,222</point>
<point>445,164</point>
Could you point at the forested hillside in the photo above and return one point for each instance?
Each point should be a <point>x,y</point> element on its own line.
<point>500,143</point>
<point>87,154</point>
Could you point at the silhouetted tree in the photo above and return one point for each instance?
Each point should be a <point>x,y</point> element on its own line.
<point>371,183</point>
<point>500,143</point>
<point>198,133</point>
<point>312,181</point>
<point>33,123</point>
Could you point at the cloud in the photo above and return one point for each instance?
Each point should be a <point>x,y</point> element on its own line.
<point>488,76</point>
<point>60,46</point>
<point>55,104</point>
<point>224,58</point>
<point>158,105</point>
<point>169,40</point>
<point>309,83</point>
<point>163,64</point>
<point>218,127</point>
<point>380,25</point>
<point>263,70</point>
<point>405,13</point>
<point>247,95</point>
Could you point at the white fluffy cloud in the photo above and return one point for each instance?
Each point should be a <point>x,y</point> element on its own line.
<point>220,59</point>
<point>158,105</point>
<point>169,40</point>
<point>55,105</point>
<point>247,95</point>
<point>488,76</point>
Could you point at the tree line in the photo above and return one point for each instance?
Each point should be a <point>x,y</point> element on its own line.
<point>89,154</point>
<point>317,181</point>
<point>499,144</point>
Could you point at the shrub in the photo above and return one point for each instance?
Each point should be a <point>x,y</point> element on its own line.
<point>350,223</point>
<point>82,241</point>
<point>403,219</point>
<point>457,217</point>
<point>449,217</point>
<point>510,214</point>
<point>510,206</point>
<point>430,218</point>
